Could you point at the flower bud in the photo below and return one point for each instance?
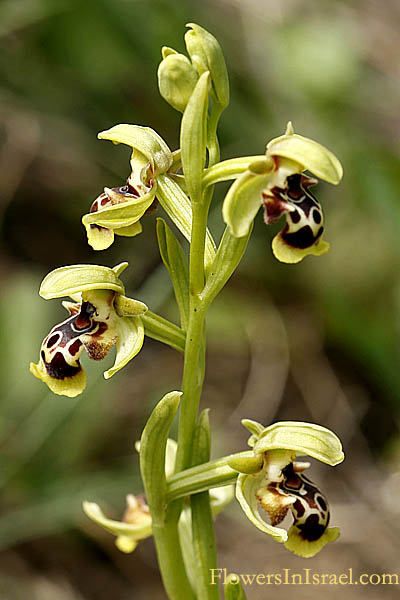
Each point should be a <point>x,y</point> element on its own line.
<point>206,55</point>
<point>177,79</point>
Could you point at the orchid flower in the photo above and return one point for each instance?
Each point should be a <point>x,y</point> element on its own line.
<point>100,316</point>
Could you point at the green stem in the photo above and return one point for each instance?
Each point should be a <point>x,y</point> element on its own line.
<point>170,561</point>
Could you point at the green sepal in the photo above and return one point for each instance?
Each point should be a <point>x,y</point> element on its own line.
<point>70,280</point>
<point>246,494</point>
<point>176,262</point>
<point>177,206</point>
<point>177,79</point>
<point>206,54</point>
<point>203,535</point>
<point>229,255</point>
<point>244,197</point>
<point>152,454</point>
<point>303,438</point>
<point>145,141</point>
<point>194,137</point>
<point>312,156</point>
<point>247,465</point>
<point>233,589</point>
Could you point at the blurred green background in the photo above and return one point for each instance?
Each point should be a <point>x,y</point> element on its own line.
<point>317,341</point>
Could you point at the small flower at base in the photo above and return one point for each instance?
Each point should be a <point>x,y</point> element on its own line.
<point>99,318</point>
<point>134,527</point>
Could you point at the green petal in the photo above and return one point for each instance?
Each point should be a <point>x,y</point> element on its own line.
<point>130,337</point>
<point>144,140</point>
<point>244,198</point>
<point>137,532</point>
<point>303,438</point>
<point>298,545</point>
<point>246,488</point>
<point>311,155</point>
<point>291,255</point>
<point>66,281</point>
<point>127,307</point>
<point>247,465</point>
<point>118,269</point>
<point>253,426</point>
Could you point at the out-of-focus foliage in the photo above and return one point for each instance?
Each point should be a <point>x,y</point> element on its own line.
<point>321,338</point>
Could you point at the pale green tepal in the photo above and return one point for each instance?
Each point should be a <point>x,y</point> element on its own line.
<point>281,186</point>
<point>118,210</point>
<point>273,480</point>
<point>100,316</point>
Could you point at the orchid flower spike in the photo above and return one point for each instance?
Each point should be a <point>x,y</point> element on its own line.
<point>278,183</point>
<point>278,485</point>
<point>100,317</point>
<point>118,210</point>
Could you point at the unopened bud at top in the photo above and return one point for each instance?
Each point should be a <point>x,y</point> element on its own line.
<point>206,55</point>
<point>177,79</point>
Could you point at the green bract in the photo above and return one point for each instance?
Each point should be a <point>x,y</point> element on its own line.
<point>100,317</point>
<point>194,137</point>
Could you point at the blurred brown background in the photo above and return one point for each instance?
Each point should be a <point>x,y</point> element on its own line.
<point>317,341</point>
